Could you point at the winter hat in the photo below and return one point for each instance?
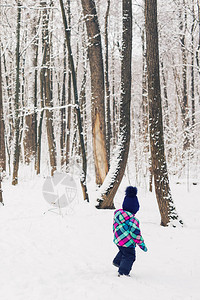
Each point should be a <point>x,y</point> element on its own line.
<point>131,203</point>
<point>131,191</point>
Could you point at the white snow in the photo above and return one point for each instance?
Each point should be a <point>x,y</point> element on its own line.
<point>66,257</point>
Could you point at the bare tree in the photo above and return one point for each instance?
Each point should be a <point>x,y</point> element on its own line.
<point>118,165</point>
<point>48,92</point>
<point>198,47</point>
<point>63,109</point>
<point>2,127</point>
<point>30,137</point>
<point>97,90</point>
<point>69,95</point>
<point>17,93</point>
<point>159,166</point>
<point>192,73</point>
<point>107,84</point>
<point>77,107</point>
<point>184,102</point>
<point>2,136</point>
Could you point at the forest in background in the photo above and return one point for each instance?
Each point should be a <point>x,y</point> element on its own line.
<point>62,110</point>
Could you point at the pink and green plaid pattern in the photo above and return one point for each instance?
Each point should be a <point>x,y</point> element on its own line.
<point>126,230</point>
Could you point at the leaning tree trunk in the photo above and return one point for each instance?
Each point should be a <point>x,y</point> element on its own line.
<point>17,91</point>
<point>159,166</point>
<point>118,165</point>
<point>77,106</point>
<point>97,90</point>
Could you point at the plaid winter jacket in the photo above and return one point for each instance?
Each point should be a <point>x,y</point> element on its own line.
<point>126,230</point>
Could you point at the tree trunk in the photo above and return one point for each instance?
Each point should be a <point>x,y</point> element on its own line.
<point>198,47</point>
<point>48,92</point>
<point>184,104</point>
<point>30,138</point>
<point>63,111</point>
<point>39,133</point>
<point>192,74</point>
<point>166,105</point>
<point>69,97</point>
<point>17,91</point>
<point>2,128</point>
<point>9,136</point>
<point>159,166</point>
<point>114,104</point>
<point>77,107</point>
<point>145,109</point>
<point>82,96</point>
<point>107,85</point>
<point>2,136</point>
<point>1,195</point>
<point>118,165</point>
<point>35,64</point>
<point>69,113</point>
<point>97,90</point>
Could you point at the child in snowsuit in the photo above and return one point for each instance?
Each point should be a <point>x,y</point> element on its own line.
<point>127,232</point>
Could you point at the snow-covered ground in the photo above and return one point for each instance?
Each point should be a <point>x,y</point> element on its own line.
<point>68,256</point>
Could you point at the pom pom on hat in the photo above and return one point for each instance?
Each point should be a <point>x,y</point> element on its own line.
<point>131,191</point>
<point>131,203</point>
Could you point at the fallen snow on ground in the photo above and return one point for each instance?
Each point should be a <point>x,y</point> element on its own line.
<point>50,256</point>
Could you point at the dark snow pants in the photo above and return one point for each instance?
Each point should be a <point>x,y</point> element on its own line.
<point>124,259</point>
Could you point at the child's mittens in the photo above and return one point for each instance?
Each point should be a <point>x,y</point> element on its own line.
<point>143,247</point>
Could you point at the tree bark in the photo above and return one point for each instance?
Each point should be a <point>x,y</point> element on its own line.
<point>48,92</point>
<point>9,136</point>
<point>97,90</point>
<point>30,138</point>
<point>2,136</point>
<point>192,74</point>
<point>1,195</point>
<point>80,128</point>
<point>198,47</point>
<point>184,103</point>
<point>63,110</point>
<point>69,114</point>
<point>166,105</point>
<point>17,92</point>
<point>118,165</point>
<point>107,85</point>
<point>69,96</point>
<point>39,131</point>
<point>159,166</point>
<point>2,128</point>
<point>145,109</point>
<point>114,104</point>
